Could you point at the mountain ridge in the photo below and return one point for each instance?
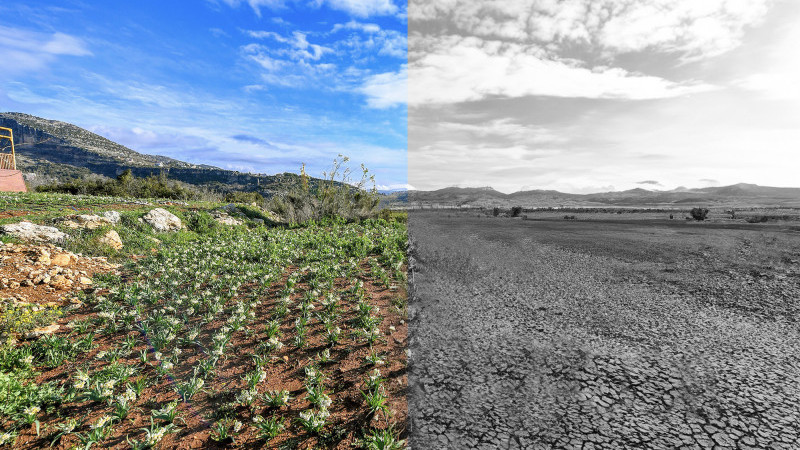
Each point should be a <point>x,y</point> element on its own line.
<point>745,194</point>
<point>53,151</point>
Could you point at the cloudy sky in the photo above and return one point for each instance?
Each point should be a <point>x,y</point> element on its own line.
<point>598,95</point>
<point>252,85</point>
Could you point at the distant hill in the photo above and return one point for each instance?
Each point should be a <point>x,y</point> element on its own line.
<point>49,150</point>
<point>737,195</point>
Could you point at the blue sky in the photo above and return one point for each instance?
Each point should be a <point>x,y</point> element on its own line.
<point>258,85</point>
<point>601,95</point>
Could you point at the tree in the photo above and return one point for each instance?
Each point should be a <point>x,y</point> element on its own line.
<point>516,211</point>
<point>125,177</point>
<point>699,213</point>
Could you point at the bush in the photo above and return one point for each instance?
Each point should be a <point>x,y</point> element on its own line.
<point>516,211</point>
<point>495,211</point>
<point>699,213</point>
<point>393,216</point>
<point>244,197</point>
<point>335,196</point>
<point>757,219</point>
<point>201,222</point>
<point>127,185</point>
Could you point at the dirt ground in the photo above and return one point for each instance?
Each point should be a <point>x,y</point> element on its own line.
<point>604,335</point>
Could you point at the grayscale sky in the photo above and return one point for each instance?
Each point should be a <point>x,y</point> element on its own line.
<point>599,95</point>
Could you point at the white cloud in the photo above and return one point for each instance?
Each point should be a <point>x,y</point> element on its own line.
<point>23,51</point>
<point>386,90</point>
<point>297,46</point>
<point>456,69</point>
<point>256,5</point>
<point>364,8</point>
<point>395,187</point>
<point>696,29</point>
<point>295,62</point>
<point>354,25</point>
<point>506,129</point>
<point>355,8</point>
<point>370,38</point>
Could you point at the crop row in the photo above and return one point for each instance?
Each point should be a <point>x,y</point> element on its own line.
<point>238,336</point>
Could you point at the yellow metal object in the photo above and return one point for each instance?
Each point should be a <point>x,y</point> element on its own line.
<point>8,161</point>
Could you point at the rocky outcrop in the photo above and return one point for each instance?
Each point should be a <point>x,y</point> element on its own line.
<point>162,220</point>
<point>112,240</point>
<point>225,219</point>
<point>31,232</point>
<point>29,269</point>
<point>87,221</point>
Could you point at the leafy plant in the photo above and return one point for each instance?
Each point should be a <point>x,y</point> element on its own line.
<point>152,437</point>
<point>313,421</point>
<point>276,399</point>
<point>268,428</point>
<point>384,439</point>
<point>168,413</point>
<point>225,430</point>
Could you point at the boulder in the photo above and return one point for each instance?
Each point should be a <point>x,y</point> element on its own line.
<point>28,231</point>
<point>111,239</point>
<point>230,208</point>
<point>112,216</point>
<point>88,221</point>
<point>225,219</point>
<point>162,220</point>
<point>63,259</point>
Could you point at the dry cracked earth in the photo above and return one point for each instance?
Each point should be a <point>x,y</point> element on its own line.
<point>573,335</point>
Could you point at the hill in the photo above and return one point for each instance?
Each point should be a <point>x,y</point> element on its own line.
<point>737,195</point>
<point>50,151</point>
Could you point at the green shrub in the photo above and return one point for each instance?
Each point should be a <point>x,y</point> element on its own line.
<point>335,196</point>
<point>393,216</point>
<point>201,222</point>
<point>127,185</point>
<point>244,197</point>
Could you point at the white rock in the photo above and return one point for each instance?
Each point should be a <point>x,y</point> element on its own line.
<point>162,220</point>
<point>89,221</point>
<point>225,219</point>
<point>28,231</point>
<point>112,216</point>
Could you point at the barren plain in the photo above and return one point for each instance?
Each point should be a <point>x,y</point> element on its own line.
<point>603,334</point>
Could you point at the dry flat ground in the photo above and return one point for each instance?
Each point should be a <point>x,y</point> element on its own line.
<point>604,335</point>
